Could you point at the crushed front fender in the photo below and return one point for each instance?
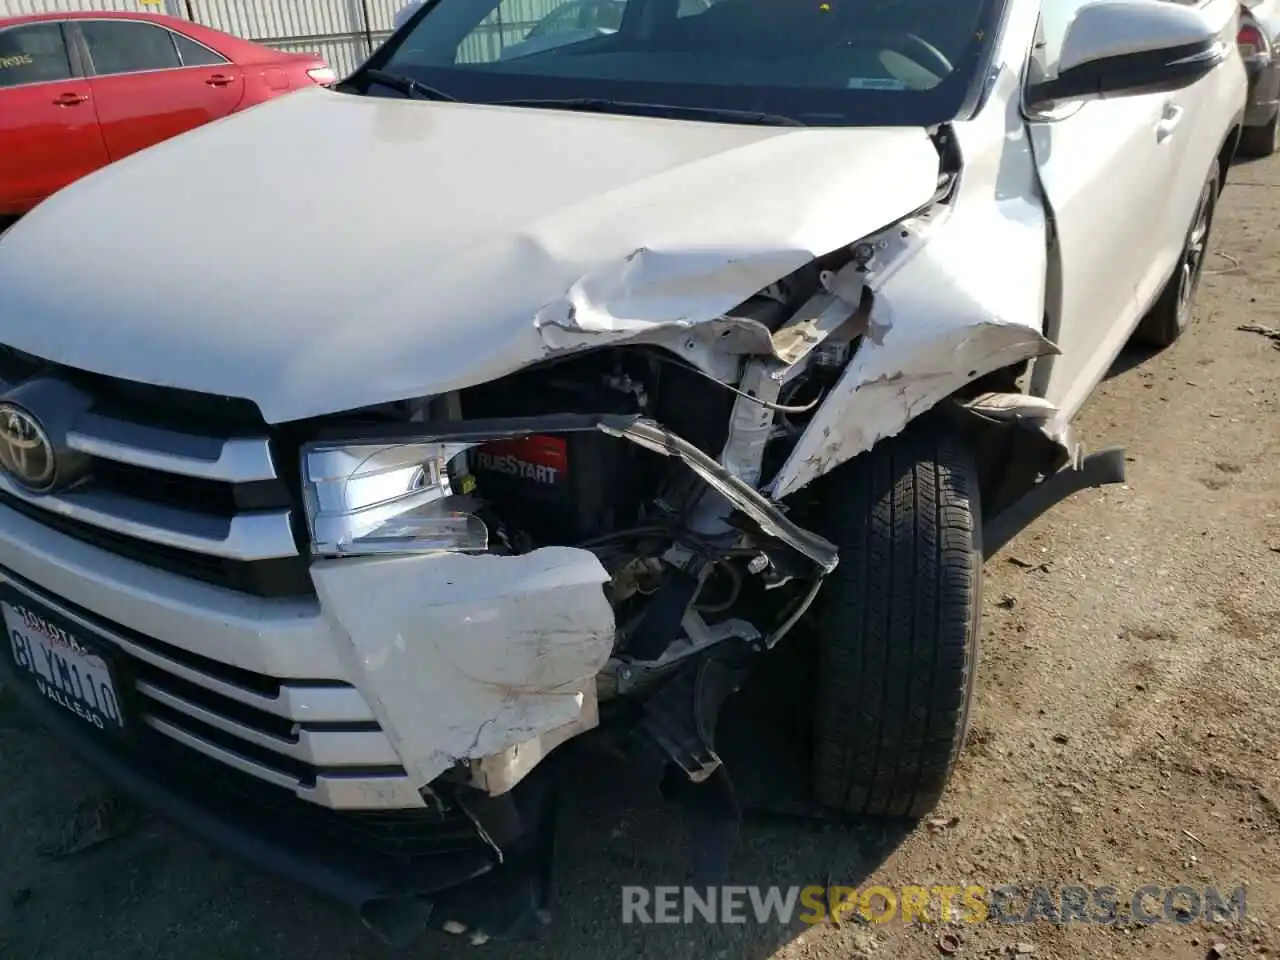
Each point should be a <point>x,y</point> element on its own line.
<point>945,311</point>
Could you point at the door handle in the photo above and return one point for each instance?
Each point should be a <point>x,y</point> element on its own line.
<point>1169,121</point>
<point>220,80</point>
<point>70,99</point>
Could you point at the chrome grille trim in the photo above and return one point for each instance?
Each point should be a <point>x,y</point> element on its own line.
<point>334,790</point>
<point>309,703</point>
<point>202,495</point>
<point>235,460</point>
<point>377,779</point>
<point>264,535</point>
<point>320,748</point>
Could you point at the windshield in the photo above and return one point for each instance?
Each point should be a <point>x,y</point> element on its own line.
<point>820,62</point>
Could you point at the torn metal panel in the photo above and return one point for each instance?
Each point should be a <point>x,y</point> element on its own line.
<point>462,657</point>
<point>649,288</point>
<point>737,491</point>
<point>945,312</point>
<point>703,335</point>
<point>957,293</point>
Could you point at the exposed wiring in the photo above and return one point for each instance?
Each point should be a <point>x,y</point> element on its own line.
<point>801,608</point>
<point>712,548</point>
<point>735,590</point>
<point>791,388</point>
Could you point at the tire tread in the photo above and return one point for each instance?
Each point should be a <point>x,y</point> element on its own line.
<point>898,634</point>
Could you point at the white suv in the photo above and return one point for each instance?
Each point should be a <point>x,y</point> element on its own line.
<point>361,450</point>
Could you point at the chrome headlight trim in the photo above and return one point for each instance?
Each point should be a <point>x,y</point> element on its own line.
<point>377,497</point>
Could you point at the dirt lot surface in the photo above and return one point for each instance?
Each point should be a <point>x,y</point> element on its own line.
<point>1127,729</point>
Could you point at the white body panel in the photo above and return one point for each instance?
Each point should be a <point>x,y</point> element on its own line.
<point>465,657</point>
<point>1097,159</point>
<point>1122,177</point>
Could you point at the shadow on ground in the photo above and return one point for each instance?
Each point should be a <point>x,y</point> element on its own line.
<point>1130,358</point>
<point>155,892</point>
<point>613,836</point>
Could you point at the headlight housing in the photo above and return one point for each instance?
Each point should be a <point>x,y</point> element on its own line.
<point>380,498</point>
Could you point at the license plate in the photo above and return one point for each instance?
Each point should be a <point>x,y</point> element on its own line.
<point>64,666</point>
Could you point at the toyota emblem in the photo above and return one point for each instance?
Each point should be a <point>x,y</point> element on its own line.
<point>26,454</point>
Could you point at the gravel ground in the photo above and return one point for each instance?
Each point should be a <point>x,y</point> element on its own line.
<point>1127,729</point>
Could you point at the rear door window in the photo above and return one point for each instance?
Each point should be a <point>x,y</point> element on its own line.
<point>33,53</point>
<point>127,46</point>
<point>196,54</point>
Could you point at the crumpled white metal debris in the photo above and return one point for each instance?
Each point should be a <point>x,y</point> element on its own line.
<point>461,656</point>
<point>945,311</point>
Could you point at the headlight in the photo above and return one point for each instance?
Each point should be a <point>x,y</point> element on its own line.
<point>380,498</point>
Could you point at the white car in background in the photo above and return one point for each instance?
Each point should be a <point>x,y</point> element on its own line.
<point>1259,42</point>
<point>498,404</point>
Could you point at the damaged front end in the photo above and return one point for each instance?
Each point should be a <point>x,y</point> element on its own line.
<point>608,538</point>
<point>607,559</point>
<point>509,583</point>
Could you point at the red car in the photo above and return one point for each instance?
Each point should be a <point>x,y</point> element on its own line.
<point>80,90</point>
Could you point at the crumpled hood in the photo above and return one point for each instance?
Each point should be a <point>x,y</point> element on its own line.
<point>325,252</point>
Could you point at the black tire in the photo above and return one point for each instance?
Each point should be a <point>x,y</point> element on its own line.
<point>1171,313</point>
<point>1259,141</point>
<point>899,623</point>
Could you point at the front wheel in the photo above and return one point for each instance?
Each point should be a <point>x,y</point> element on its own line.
<point>1172,311</point>
<point>899,624</point>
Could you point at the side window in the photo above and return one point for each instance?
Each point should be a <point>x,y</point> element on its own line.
<point>35,53</point>
<point>124,46</point>
<point>1055,16</point>
<point>196,54</point>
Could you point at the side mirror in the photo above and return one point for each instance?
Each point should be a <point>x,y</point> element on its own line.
<point>1126,47</point>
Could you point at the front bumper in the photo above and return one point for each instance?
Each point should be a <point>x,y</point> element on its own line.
<point>284,689</point>
<point>259,684</point>
<point>402,872</point>
<point>283,728</point>
<point>337,855</point>
<point>363,836</point>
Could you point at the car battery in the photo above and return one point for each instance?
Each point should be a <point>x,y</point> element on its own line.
<point>561,488</point>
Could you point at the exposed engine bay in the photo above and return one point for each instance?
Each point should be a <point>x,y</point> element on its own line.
<point>643,460</point>
<point>686,574</point>
<point>579,453</point>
